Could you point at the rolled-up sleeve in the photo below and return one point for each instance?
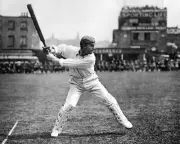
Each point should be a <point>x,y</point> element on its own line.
<point>76,63</point>
<point>67,51</point>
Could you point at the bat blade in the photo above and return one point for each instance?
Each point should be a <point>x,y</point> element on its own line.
<point>31,11</point>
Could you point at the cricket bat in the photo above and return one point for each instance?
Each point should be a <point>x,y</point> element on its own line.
<point>35,22</point>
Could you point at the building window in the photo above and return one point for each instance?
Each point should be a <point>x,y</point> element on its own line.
<point>11,25</point>
<point>0,41</point>
<point>134,22</point>
<point>135,36</point>
<point>0,24</point>
<point>24,25</point>
<point>162,23</point>
<point>10,41</point>
<point>147,36</point>
<point>144,21</point>
<point>23,41</point>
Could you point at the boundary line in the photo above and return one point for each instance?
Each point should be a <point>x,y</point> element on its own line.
<point>10,132</point>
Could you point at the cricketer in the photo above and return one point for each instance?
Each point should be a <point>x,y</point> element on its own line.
<point>81,61</point>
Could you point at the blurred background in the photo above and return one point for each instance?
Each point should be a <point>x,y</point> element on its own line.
<point>133,35</point>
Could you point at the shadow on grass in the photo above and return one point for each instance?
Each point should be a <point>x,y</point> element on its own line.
<point>2,135</point>
<point>47,135</point>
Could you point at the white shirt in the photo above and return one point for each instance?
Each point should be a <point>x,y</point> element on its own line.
<point>81,69</point>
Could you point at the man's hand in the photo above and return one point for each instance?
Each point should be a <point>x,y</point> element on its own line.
<point>50,49</point>
<point>46,50</point>
<point>51,57</point>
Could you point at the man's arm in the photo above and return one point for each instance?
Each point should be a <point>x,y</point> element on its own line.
<point>76,63</point>
<point>67,51</point>
<point>71,63</point>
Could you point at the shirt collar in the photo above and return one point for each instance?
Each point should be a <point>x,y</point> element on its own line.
<point>78,54</point>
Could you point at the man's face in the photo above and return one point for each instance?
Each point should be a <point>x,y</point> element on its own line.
<point>86,49</point>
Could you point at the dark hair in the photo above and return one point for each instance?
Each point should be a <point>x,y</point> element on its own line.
<point>87,40</point>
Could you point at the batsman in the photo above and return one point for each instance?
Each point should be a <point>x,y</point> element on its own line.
<point>81,61</point>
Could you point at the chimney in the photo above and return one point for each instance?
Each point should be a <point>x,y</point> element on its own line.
<point>24,14</point>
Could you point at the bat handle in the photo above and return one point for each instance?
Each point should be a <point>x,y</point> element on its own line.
<point>44,44</point>
<point>46,50</point>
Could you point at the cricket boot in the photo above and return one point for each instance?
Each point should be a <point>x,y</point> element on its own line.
<point>121,118</point>
<point>59,123</point>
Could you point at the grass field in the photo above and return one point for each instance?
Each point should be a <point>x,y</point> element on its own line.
<point>150,100</point>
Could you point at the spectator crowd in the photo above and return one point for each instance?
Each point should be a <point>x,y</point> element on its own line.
<point>113,65</point>
<point>28,67</point>
<point>138,65</point>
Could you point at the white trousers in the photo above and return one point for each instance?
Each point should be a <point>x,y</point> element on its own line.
<point>94,87</point>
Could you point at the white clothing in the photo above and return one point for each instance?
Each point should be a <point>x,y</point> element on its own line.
<point>84,78</point>
<point>81,69</point>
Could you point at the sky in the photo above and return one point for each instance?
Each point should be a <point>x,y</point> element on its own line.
<point>65,18</point>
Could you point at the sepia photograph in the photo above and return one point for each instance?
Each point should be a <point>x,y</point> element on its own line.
<point>89,72</point>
